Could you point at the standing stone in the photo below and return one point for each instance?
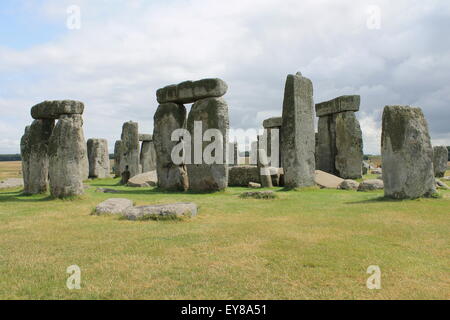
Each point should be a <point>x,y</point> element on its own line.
<point>297,136</point>
<point>148,156</point>
<point>25,148</point>
<point>205,175</point>
<point>129,162</point>
<point>38,170</point>
<point>407,154</point>
<point>233,156</point>
<point>67,154</point>
<point>326,144</point>
<point>349,146</point>
<point>169,117</point>
<point>272,128</point>
<point>440,161</point>
<point>117,156</point>
<point>98,156</point>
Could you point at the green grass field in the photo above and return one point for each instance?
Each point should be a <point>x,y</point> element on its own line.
<point>309,244</point>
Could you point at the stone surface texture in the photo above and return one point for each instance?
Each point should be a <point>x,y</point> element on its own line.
<point>174,210</point>
<point>192,91</point>
<point>440,161</point>
<point>54,109</point>
<point>98,156</point>
<point>337,105</point>
<point>113,206</point>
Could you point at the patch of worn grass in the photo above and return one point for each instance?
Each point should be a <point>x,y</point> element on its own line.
<point>308,244</point>
<point>10,169</point>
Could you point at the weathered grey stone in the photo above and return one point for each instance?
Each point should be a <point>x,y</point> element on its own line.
<point>349,146</point>
<point>67,154</point>
<point>145,137</point>
<point>38,170</point>
<point>265,195</point>
<point>270,142</point>
<point>337,105</point>
<point>440,161</point>
<point>441,185</point>
<point>349,185</point>
<point>275,122</point>
<point>117,156</point>
<point>143,180</point>
<point>53,109</point>
<point>326,144</point>
<point>297,134</point>
<point>98,156</point>
<point>113,206</point>
<point>148,156</point>
<point>167,211</point>
<point>169,117</point>
<point>446,178</point>
<point>326,180</point>
<point>11,183</point>
<point>254,185</point>
<point>209,175</point>
<point>130,158</point>
<point>189,91</point>
<point>407,154</point>
<point>241,176</point>
<point>371,185</point>
<point>25,151</point>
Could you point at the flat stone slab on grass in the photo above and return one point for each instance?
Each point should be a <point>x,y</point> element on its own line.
<point>442,185</point>
<point>11,183</point>
<point>147,179</point>
<point>371,185</point>
<point>259,195</point>
<point>113,206</point>
<point>326,180</point>
<point>160,212</point>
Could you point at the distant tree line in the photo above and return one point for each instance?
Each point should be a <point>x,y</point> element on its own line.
<point>10,157</point>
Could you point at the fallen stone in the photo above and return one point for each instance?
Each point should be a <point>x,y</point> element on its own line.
<point>442,185</point>
<point>11,183</point>
<point>144,180</point>
<point>54,109</point>
<point>259,195</point>
<point>167,211</point>
<point>254,185</point>
<point>113,206</point>
<point>337,105</point>
<point>371,185</point>
<point>440,161</point>
<point>326,180</point>
<point>241,176</point>
<point>192,91</point>
<point>349,185</point>
<point>407,154</point>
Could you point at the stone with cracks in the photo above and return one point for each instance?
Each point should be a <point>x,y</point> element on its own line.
<point>337,105</point>
<point>67,155</point>
<point>169,117</point>
<point>440,161</point>
<point>349,146</point>
<point>98,157</point>
<point>130,157</point>
<point>54,109</point>
<point>275,122</point>
<point>192,91</point>
<point>349,185</point>
<point>371,185</point>
<point>167,211</point>
<point>297,135</point>
<point>25,149</point>
<point>407,154</point>
<point>143,180</point>
<point>326,145</point>
<point>148,156</point>
<point>211,175</point>
<point>113,206</point>
<point>145,137</point>
<point>117,157</point>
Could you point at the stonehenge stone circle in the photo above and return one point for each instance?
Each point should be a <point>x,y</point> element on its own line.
<point>148,153</point>
<point>130,157</point>
<point>117,157</point>
<point>339,138</point>
<point>165,211</point>
<point>38,169</point>
<point>98,156</point>
<point>192,91</point>
<point>241,176</point>
<point>54,109</point>
<point>273,138</point>
<point>297,134</point>
<point>407,154</point>
<point>169,117</point>
<point>67,155</point>
<point>25,153</point>
<point>205,176</point>
<point>440,161</point>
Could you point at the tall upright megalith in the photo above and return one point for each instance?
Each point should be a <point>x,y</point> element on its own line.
<point>117,157</point>
<point>129,161</point>
<point>407,154</point>
<point>25,154</point>
<point>272,127</point>
<point>339,137</point>
<point>168,118</point>
<point>148,153</point>
<point>440,161</point>
<point>67,153</point>
<point>297,134</point>
<point>98,156</point>
<point>208,125</point>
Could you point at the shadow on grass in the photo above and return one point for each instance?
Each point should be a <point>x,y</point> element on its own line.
<point>20,197</point>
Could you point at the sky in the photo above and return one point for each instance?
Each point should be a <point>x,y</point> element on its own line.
<point>115,54</point>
